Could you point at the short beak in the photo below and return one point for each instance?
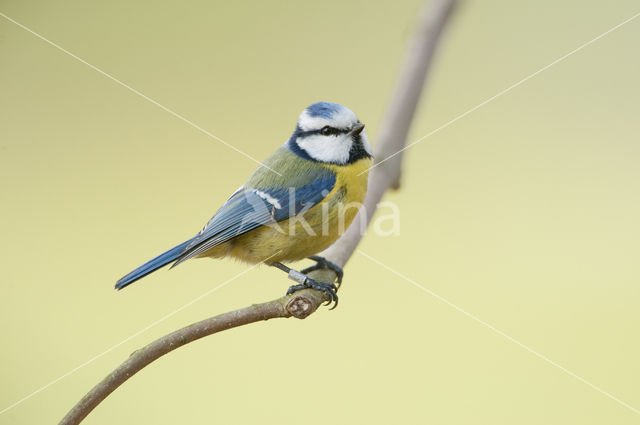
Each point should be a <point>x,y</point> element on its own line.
<point>357,129</point>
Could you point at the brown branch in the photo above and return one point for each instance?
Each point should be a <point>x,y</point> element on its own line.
<point>395,124</point>
<point>386,175</point>
<point>299,305</point>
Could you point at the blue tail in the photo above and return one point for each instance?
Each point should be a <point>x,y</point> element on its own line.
<point>152,265</point>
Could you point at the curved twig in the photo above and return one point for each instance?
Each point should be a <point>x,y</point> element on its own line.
<point>299,305</point>
<point>386,175</point>
<point>395,125</point>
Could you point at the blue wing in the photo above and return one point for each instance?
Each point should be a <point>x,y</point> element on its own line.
<point>250,208</point>
<point>267,197</point>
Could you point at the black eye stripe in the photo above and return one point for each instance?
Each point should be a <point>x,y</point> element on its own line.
<point>332,132</point>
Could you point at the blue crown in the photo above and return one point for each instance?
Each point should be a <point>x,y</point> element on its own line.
<point>324,109</point>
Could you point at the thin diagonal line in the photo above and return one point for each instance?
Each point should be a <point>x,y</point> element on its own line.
<point>128,87</point>
<point>499,332</point>
<point>162,319</point>
<point>508,89</point>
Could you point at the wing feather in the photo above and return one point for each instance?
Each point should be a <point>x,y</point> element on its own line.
<point>252,207</point>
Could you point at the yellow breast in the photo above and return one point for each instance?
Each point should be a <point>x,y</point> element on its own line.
<point>308,233</point>
<point>352,177</point>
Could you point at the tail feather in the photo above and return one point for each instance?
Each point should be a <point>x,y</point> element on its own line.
<point>152,265</point>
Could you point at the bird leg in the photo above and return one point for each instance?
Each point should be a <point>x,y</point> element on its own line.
<point>323,263</point>
<point>305,282</point>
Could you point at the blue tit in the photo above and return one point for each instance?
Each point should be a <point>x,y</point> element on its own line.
<point>297,204</point>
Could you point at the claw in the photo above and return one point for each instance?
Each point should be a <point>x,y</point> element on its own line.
<point>296,288</point>
<point>328,288</point>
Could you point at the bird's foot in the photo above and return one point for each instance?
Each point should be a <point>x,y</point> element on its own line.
<point>323,263</point>
<point>306,282</point>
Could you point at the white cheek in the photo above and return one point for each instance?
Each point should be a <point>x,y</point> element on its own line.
<point>326,149</point>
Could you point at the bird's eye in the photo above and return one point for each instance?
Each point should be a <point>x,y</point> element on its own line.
<point>327,131</point>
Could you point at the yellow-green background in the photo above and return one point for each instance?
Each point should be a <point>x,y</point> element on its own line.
<point>524,213</point>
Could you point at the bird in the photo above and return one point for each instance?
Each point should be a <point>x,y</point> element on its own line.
<point>296,204</point>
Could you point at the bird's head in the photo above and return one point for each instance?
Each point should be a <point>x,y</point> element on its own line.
<point>330,133</point>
